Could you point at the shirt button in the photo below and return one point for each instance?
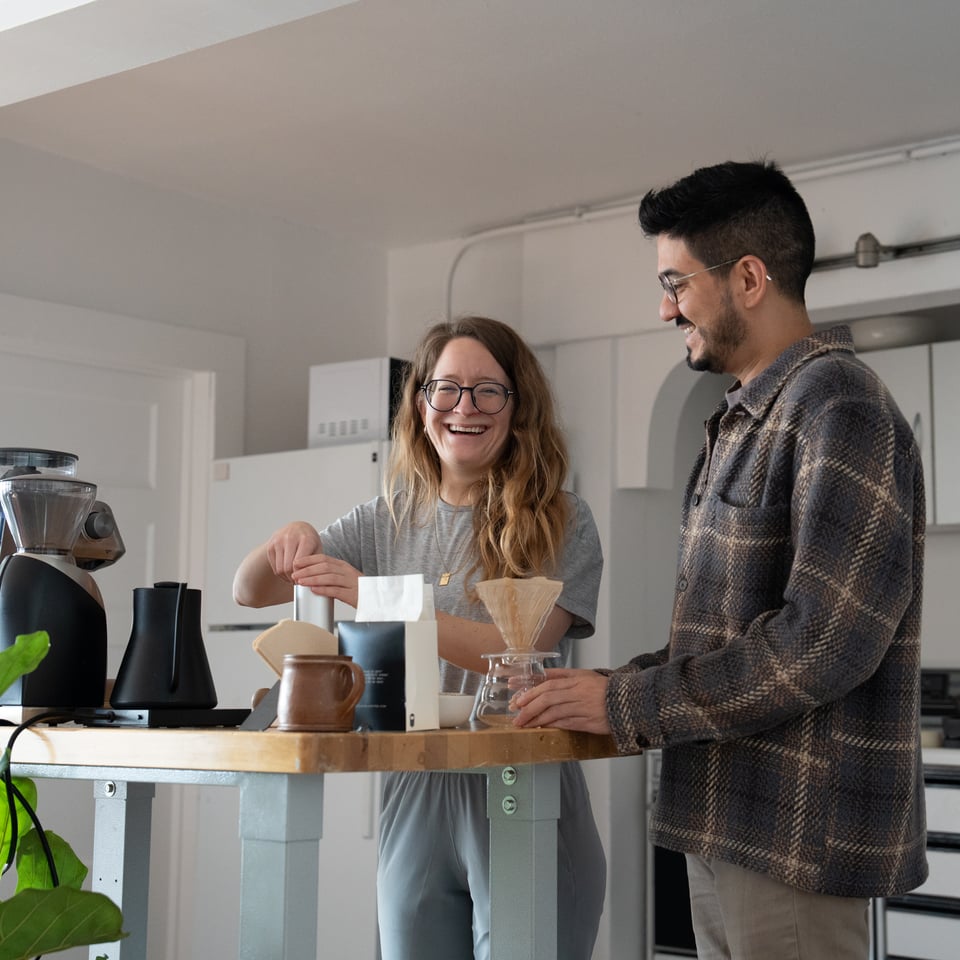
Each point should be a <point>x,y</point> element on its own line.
<point>695,499</point>
<point>682,583</point>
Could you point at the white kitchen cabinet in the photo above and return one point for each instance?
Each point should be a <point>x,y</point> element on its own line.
<point>906,373</point>
<point>924,382</point>
<point>946,430</point>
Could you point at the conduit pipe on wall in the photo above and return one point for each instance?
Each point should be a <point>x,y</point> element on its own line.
<point>869,252</point>
<point>862,257</point>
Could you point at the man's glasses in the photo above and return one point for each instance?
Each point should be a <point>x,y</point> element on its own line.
<point>669,283</point>
<point>488,396</point>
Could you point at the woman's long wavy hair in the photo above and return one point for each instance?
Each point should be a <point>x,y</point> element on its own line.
<point>520,511</point>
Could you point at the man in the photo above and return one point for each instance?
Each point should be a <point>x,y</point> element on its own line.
<point>787,699</point>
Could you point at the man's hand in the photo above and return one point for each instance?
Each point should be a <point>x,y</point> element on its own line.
<point>568,699</point>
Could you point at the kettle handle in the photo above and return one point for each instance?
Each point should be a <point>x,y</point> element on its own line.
<point>177,638</point>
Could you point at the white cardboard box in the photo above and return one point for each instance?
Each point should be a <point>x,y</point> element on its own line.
<point>399,661</point>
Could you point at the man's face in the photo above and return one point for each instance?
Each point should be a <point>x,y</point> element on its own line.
<point>712,326</point>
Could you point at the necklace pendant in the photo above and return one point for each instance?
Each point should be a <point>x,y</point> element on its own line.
<point>444,579</point>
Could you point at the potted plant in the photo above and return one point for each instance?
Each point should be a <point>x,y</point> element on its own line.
<point>44,915</point>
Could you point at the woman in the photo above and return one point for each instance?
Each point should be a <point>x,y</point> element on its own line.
<point>473,492</point>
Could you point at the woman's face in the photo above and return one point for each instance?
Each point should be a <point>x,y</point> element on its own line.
<point>467,441</point>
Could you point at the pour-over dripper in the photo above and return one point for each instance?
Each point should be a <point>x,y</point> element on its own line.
<point>519,609</point>
<point>45,512</point>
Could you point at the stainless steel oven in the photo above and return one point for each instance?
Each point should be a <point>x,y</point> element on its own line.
<point>669,928</point>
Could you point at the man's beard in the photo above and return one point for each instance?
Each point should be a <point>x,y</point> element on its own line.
<point>727,332</point>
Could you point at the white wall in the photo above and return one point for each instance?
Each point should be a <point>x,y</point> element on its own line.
<point>76,236</point>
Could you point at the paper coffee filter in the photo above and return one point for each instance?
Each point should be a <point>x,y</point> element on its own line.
<point>519,608</point>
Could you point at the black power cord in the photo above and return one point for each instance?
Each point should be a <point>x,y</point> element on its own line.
<point>13,794</point>
<point>41,833</point>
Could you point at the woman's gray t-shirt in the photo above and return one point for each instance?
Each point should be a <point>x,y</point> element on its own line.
<point>367,539</point>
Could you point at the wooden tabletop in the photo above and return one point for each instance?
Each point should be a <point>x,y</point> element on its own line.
<point>273,751</point>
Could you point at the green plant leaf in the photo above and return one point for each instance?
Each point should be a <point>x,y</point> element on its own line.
<point>33,871</point>
<point>24,824</point>
<point>23,657</point>
<point>44,921</point>
<point>37,921</point>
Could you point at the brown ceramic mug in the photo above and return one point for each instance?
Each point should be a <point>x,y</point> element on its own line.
<point>318,693</point>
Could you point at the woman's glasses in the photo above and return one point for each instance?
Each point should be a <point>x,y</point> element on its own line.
<point>487,396</point>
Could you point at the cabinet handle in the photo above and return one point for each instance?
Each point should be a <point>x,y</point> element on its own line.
<point>918,429</point>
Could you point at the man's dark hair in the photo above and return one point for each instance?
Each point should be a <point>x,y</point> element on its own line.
<point>734,209</point>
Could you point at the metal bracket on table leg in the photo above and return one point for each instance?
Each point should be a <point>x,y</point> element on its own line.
<point>121,860</point>
<point>523,804</point>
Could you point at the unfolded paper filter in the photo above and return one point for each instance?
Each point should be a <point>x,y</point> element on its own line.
<point>519,607</point>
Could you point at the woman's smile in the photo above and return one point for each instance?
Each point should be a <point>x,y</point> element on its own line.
<point>468,441</point>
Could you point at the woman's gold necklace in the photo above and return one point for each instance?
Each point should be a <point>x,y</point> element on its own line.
<point>445,572</point>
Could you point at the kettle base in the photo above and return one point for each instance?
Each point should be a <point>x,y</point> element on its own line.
<point>161,717</point>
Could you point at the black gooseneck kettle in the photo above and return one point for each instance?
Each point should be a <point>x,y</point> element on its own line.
<point>165,663</point>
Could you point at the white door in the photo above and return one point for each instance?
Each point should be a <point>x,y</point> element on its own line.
<point>128,429</point>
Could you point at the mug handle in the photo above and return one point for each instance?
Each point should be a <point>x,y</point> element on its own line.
<point>359,682</point>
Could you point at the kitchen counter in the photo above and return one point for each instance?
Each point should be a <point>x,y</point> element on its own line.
<point>273,751</point>
<point>280,777</point>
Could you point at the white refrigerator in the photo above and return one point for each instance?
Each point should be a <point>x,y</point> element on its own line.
<point>250,497</point>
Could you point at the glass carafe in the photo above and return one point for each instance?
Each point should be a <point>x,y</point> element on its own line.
<point>509,672</point>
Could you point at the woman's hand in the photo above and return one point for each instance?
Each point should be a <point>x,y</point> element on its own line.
<point>289,544</point>
<point>327,577</point>
<point>568,699</point>
<point>266,575</point>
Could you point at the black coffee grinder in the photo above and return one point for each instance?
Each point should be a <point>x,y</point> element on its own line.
<point>56,524</point>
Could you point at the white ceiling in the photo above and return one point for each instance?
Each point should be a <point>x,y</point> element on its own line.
<point>401,121</point>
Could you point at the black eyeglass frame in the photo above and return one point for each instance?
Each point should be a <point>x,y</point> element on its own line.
<point>507,394</point>
<point>669,283</point>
